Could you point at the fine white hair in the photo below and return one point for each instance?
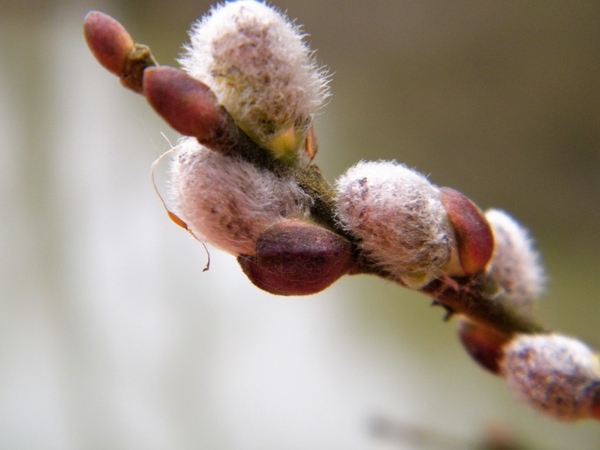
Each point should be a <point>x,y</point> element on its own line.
<point>398,218</point>
<point>228,201</point>
<point>256,62</point>
<point>554,374</point>
<point>515,264</point>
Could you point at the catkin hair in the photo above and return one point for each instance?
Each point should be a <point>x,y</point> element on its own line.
<point>228,201</point>
<point>398,218</point>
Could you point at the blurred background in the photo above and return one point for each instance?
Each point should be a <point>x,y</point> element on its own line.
<point>111,337</point>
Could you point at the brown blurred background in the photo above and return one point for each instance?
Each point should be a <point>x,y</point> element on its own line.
<point>110,335</point>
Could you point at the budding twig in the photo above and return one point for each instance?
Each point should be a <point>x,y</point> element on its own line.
<point>242,180</point>
<point>192,109</point>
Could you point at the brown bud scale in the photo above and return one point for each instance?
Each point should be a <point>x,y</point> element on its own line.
<point>595,408</point>
<point>108,40</point>
<point>297,258</point>
<point>185,103</point>
<point>474,237</point>
<point>483,344</point>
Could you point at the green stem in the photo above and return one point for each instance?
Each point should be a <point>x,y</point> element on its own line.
<point>469,297</point>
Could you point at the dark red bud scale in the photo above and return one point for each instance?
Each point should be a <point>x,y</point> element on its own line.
<point>474,237</point>
<point>484,345</point>
<point>109,42</point>
<point>297,258</point>
<point>184,102</point>
<point>596,406</point>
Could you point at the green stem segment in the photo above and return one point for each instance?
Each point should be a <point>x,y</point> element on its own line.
<point>468,297</point>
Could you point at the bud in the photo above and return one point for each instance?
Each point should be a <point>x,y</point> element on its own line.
<point>474,239</point>
<point>398,219</point>
<point>228,201</point>
<point>515,265</point>
<point>184,102</point>
<point>254,60</point>
<point>596,405</point>
<point>554,374</point>
<point>483,344</point>
<point>108,40</point>
<point>297,258</point>
<point>115,50</point>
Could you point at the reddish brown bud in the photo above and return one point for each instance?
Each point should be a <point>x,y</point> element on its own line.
<point>474,238</point>
<point>297,258</point>
<point>484,345</point>
<point>595,408</point>
<point>184,102</point>
<point>109,42</point>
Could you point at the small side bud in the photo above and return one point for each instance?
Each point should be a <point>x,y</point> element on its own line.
<point>185,103</point>
<point>115,50</point>
<point>474,239</point>
<point>228,201</point>
<point>297,258</point>
<point>596,405</point>
<point>515,264</point>
<point>483,344</point>
<point>108,40</point>
<point>262,72</point>
<point>398,218</point>
<point>554,374</point>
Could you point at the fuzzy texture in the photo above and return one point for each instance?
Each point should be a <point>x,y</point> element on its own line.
<point>255,61</point>
<point>554,374</point>
<point>227,201</point>
<point>515,264</point>
<point>398,218</point>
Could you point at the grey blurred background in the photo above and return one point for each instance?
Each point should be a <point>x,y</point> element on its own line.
<point>111,337</point>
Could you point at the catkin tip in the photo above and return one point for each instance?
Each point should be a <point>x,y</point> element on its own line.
<point>515,264</point>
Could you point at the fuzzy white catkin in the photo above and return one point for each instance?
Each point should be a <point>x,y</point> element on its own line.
<point>398,218</point>
<point>554,374</point>
<point>255,61</point>
<point>227,201</point>
<point>515,264</point>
